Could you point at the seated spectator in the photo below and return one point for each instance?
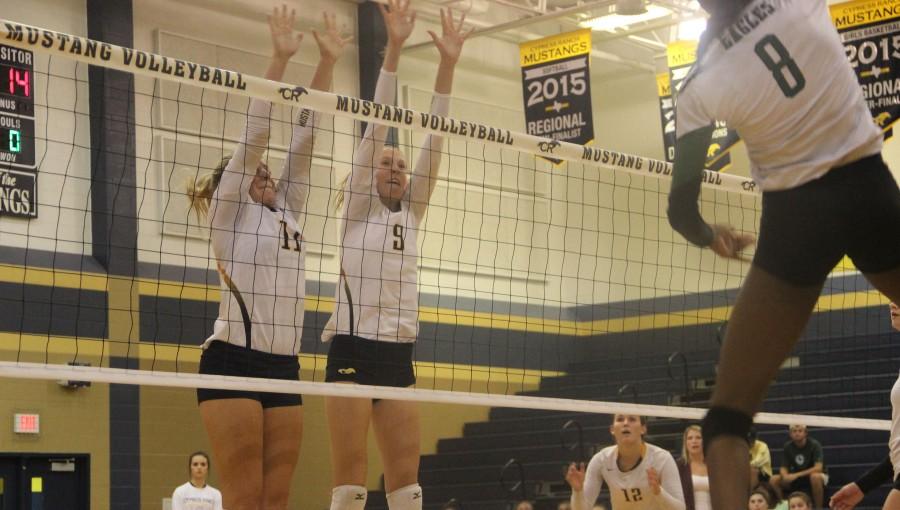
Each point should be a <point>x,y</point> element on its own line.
<point>524,505</point>
<point>760,460</point>
<point>799,501</point>
<point>759,500</point>
<point>771,497</point>
<point>802,468</point>
<point>453,504</point>
<point>692,468</point>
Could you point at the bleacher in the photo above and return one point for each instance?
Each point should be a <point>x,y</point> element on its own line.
<point>842,375</point>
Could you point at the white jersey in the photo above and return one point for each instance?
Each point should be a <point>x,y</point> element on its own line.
<point>630,490</point>
<point>894,441</point>
<point>188,497</point>
<point>780,77</point>
<point>260,251</point>
<point>377,295</point>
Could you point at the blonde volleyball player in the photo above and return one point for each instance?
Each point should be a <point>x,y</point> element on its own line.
<point>776,71</point>
<point>196,494</point>
<point>375,321</point>
<point>259,249</point>
<point>640,476</point>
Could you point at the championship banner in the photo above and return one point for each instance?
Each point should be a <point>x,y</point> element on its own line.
<point>556,86</point>
<point>870,31</point>
<point>666,114</point>
<point>680,56</point>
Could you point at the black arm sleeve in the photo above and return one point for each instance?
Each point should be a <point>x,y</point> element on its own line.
<point>687,175</point>
<point>876,476</point>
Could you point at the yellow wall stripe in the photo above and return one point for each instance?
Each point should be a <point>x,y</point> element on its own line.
<point>447,316</point>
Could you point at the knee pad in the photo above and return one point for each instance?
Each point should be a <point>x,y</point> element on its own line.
<point>724,421</point>
<point>406,498</point>
<point>348,497</point>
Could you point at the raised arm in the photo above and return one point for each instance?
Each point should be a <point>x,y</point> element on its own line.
<point>591,481</point>
<point>449,44</point>
<point>241,168</point>
<point>293,186</point>
<point>399,21</point>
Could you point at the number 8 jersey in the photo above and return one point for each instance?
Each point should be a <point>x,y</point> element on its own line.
<point>780,77</point>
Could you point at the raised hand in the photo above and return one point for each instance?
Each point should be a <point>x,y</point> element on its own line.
<point>653,481</point>
<point>331,42</point>
<point>281,26</point>
<point>575,476</point>
<point>729,243</point>
<point>399,20</point>
<point>847,498</point>
<point>450,43</point>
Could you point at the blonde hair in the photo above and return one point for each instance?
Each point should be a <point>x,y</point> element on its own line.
<point>684,453</point>
<point>342,184</point>
<point>200,190</point>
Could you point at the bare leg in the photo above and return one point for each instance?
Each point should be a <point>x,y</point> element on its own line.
<point>777,486</point>
<point>235,430</point>
<point>888,283</point>
<point>766,322</point>
<point>282,434</point>
<point>396,425</point>
<point>817,484</point>
<point>348,426</point>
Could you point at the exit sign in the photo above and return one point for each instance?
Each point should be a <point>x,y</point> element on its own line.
<point>27,423</point>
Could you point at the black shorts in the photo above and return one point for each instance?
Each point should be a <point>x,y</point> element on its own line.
<point>223,358</point>
<point>370,362</point>
<point>804,484</point>
<point>852,210</point>
<point>897,483</point>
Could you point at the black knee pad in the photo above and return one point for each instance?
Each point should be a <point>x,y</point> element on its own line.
<point>724,421</point>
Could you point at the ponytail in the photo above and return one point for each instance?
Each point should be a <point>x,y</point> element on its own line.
<point>200,191</point>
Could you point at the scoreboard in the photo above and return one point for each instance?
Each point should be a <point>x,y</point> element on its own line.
<point>18,174</point>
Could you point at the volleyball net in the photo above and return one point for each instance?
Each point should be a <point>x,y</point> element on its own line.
<point>554,285</point>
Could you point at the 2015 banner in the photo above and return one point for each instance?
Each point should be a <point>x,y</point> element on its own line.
<point>870,31</point>
<point>556,83</point>
<point>680,56</point>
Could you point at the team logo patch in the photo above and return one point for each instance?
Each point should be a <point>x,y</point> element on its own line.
<point>800,459</point>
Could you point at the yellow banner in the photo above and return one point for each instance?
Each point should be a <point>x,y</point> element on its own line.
<point>663,85</point>
<point>681,53</point>
<point>862,12</point>
<point>555,47</point>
